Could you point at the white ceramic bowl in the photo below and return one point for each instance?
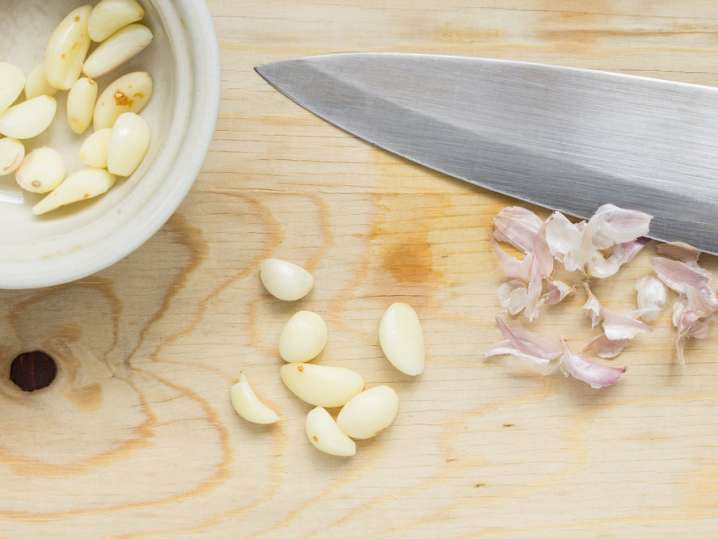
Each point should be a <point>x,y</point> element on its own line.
<point>90,236</point>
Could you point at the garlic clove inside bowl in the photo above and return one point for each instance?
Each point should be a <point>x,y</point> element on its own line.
<point>80,240</point>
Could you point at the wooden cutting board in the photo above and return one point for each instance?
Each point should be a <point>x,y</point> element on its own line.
<point>136,437</point>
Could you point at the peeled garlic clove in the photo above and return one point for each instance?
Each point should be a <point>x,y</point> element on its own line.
<point>41,171</point>
<point>325,435</point>
<point>284,280</point>
<point>94,150</point>
<point>129,142</point>
<point>402,339</point>
<point>36,83</point>
<point>67,49</point>
<point>12,152</point>
<point>12,81</point>
<point>320,385</point>
<point>111,15</point>
<point>81,104</point>
<point>119,48</point>
<point>368,413</point>
<point>303,338</point>
<point>246,403</point>
<point>29,118</point>
<point>82,185</point>
<point>129,93</point>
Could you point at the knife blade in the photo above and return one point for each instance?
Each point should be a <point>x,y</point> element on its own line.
<point>563,138</point>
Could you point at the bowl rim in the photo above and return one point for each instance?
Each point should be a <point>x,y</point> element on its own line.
<point>205,57</point>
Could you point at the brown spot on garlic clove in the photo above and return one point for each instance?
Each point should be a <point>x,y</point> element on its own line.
<point>121,100</point>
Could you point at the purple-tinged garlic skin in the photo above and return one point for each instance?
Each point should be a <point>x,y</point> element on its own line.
<point>594,374</point>
<point>651,298</point>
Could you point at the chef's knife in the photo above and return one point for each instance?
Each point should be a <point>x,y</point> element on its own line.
<point>563,138</point>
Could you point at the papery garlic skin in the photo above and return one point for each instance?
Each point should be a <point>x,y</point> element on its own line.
<point>651,298</point>
<point>596,375</point>
<point>605,348</point>
<point>619,327</point>
<point>592,305</point>
<point>679,251</point>
<point>518,226</point>
<point>513,296</point>
<point>537,352</point>
<point>611,225</point>
<point>556,292</point>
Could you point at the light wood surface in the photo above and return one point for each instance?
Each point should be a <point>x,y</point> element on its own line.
<point>136,438</point>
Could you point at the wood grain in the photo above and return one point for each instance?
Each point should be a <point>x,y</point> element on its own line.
<point>136,438</point>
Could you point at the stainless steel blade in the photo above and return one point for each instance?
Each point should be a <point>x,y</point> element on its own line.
<point>563,138</point>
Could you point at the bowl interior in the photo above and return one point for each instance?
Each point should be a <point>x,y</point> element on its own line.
<point>28,240</point>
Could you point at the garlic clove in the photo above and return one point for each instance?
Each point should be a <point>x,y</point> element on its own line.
<point>118,49</point>
<point>29,118</point>
<point>41,171</point>
<point>12,152</point>
<point>36,83</point>
<point>109,16</point>
<point>246,403</point>
<point>93,152</point>
<point>303,338</point>
<point>12,81</point>
<point>129,143</point>
<point>321,385</point>
<point>129,93</point>
<point>402,339</point>
<point>67,49</point>
<point>82,185</point>
<point>284,280</point>
<point>324,434</point>
<point>81,104</point>
<point>369,412</point>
